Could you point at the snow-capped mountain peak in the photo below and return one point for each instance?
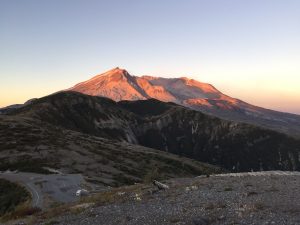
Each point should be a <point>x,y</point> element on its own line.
<point>119,85</point>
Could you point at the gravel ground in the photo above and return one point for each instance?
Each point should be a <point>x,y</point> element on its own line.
<point>246,199</point>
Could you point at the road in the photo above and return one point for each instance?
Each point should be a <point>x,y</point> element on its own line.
<point>59,187</point>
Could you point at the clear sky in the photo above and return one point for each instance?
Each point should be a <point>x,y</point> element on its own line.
<point>249,49</point>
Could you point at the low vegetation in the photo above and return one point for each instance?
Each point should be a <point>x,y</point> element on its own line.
<point>34,166</point>
<point>11,195</point>
<point>14,201</point>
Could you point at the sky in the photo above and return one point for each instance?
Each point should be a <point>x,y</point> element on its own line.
<point>248,49</point>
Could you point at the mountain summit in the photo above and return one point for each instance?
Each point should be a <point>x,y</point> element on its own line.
<point>119,85</point>
<point>116,84</point>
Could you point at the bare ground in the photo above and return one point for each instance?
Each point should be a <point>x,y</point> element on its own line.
<point>255,198</point>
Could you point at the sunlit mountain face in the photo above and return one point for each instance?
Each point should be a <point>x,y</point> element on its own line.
<point>118,85</point>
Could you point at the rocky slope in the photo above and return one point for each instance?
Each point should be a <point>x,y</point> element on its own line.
<point>168,127</point>
<point>118,85</point>
<point>31,145</point>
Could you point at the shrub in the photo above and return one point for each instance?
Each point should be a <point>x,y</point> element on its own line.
<point>11,195</point>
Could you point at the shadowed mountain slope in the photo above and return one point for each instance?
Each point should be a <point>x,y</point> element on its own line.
<point>31,145</point>
<point>169,127</point>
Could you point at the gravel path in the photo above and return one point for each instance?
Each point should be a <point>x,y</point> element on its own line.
<point>258,198</point>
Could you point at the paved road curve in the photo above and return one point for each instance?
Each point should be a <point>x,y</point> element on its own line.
<point>59,187</point>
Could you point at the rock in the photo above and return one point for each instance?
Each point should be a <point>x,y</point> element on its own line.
<point>160,185</point>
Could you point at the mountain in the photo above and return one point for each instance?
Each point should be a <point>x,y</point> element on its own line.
<point>119,85</point>
<point>164,126</point>
<point>6,109</point>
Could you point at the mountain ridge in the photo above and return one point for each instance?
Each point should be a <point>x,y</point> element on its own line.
<point>169,127</point>
<point>119,85</point>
